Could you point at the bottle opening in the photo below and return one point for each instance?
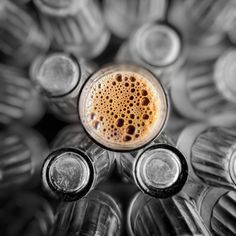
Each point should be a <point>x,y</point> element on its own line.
<point>158,44</point>
<point>123,107</point>
<point>57,74</point>
<point>69,172</point>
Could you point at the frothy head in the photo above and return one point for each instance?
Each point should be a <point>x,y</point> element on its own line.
<point>157,44</point>
<point>57,74</point>
<point>123,107</point>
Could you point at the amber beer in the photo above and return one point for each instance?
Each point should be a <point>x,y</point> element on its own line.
<point>123,107</point>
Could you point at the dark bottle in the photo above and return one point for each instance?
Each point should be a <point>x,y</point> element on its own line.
<point>217,207</point>
<point>59,77</point>
<point>159,170</point>
<point>175,216</point>
<point>19,101</point>
<point>125,16</point>
<point>76,165</point>
<point>96,214</point>
<point>26,214</point>
<point>156,46</point>
<point>74,26</point>
<point>21,157</point>
<point>210,153</point>
<point>21,40</point>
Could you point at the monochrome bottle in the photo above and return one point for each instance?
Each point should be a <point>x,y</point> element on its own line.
<point>210,153</point>
<point>21,39</point>
<point>75,165</point>
<point>74,26</point>
<point>125,16</point>
<point>176,215</point>
<point>59,77</point>
<point>96,214</point>
<point>159,170</point>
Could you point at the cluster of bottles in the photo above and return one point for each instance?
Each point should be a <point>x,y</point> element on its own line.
<point>148,142</point>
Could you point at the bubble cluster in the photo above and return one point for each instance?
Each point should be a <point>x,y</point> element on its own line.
<point>123,107</point>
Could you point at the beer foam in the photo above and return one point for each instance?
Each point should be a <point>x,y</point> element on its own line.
<point>123,108</point>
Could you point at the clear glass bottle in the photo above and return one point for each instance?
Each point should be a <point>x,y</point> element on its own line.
<point>21,158</point>
<point>124,16</point>
<point>173,216</point>
<point>74,26</point>
<point>195,94</point>
<point>159,170</point>
<point>217,207</point>
<point>210,153</point>
<point>96,214</point>
<point>19,101</point>
<point>59,77</point>
<point>155,45</point>
<point>20,36</point>
<point>76,165</point>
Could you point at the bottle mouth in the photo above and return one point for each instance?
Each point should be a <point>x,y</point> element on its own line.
<point>158,45</point>
<point>56,75</point>
<point>160,170</point>
<point>68,173</point>
<point>124,125</point>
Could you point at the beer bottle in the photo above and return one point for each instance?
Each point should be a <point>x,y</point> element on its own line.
<point>76,165</point>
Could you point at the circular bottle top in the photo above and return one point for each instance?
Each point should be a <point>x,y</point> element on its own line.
<point>56,75</point>
<point>157,44</point>
<point>224,75</point>
<point>59,8</point>
<point>123,107</point>
<point>160,170</point>
<point>68,174</point>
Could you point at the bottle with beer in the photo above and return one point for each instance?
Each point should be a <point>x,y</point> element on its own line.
<point>75,165</point>
<point>123,107</point>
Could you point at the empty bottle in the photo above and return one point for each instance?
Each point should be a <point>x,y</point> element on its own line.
<point>74,26</point>
<point>96,214</point>
<point>211,15</point>
<point>195,94</point>
<point>76,165</point>
<point>217,207</point>
<point>156,46</point>
<point>210,153</point>
<point>159,170</point>
<point>59,77</point>
<point>21,158</point>
<point>175,216</point>
<point>19,101</point>
<point>125,16</point>
<point>21,40</point>
<point>224,70</point>
<point>26,214</point>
